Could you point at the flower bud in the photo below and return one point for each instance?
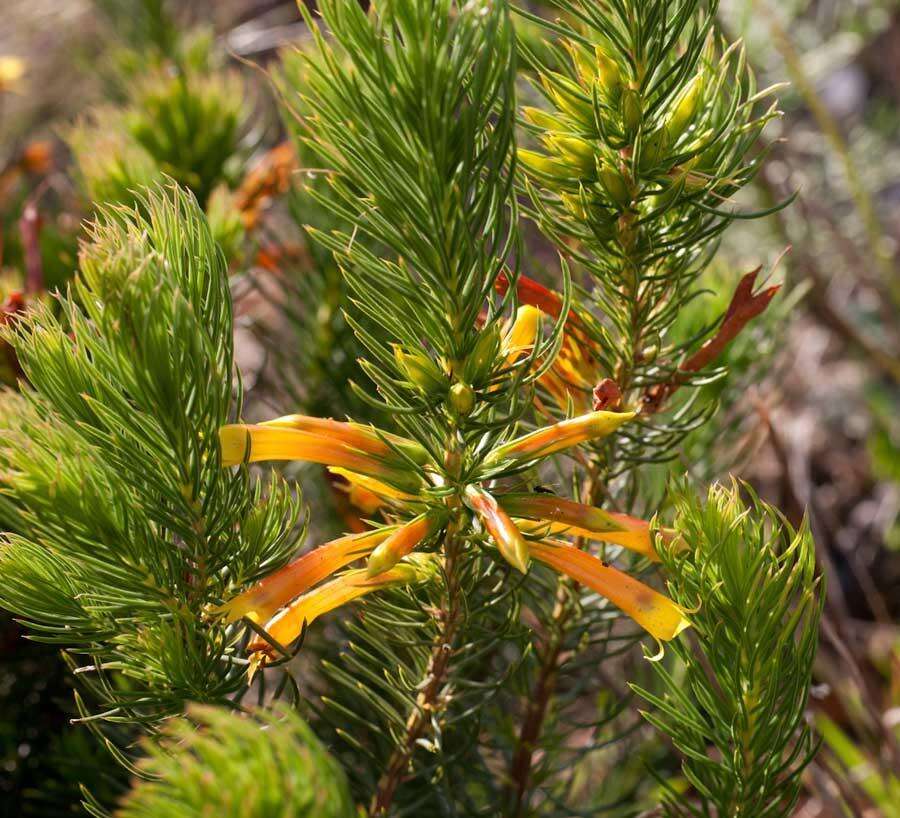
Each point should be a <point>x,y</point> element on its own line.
<point>632,111</point>
<point>462,398</point>
<point>653,149</point>
<point>569,98</point>
<point>421,371</point>
<point>608,75</point>
<point>577,153</point>
<point>480,361</point>
<point>615,186</point>
<point>544,165</point>
<point>685,108</point>
<point>543,119</point>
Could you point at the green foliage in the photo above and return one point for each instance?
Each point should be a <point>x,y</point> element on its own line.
<point>127,527</point>
<point>183,120</point>
<point>423,173</point>
<point>216,762</point>
<point>648,137</point>
<point>735,707</point>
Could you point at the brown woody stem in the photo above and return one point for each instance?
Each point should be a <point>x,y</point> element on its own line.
<point>435,694</point>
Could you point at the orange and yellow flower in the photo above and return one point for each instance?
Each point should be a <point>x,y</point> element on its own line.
<point>263,600</point>
<point>346,445</point>
<point>575,371</point>
<point>548,514</point>
<point>404,540</point>
<point>503,530</point>
<point>559,436</point>
<point>653,611</point>
<point>289,623</point>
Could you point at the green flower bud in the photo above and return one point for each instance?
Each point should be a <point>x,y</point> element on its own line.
<point>615,186</point>
<point>685,108</point>
<point>575,152</point>
<point>653,149</point>
<point>543,119</point>
<point>632,111</point>
<point>569,98</point>
<point>462,398</point>
<point>608,76</point>
<point>421,371</point>
<point>544,165</point>
<point>480,361</point>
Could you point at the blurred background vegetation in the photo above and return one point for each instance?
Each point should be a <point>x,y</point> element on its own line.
<point>97,97</point>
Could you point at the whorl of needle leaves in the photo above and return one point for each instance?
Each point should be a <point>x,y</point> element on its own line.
<point>734,706</point>
<point>217,762</point>
<point>125,525</point>
<point>411,111</point>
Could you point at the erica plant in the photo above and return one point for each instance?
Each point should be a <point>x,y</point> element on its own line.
<point>519,527</point>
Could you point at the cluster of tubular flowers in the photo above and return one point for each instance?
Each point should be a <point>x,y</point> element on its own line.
<point>397,476</point>
<point>575,372</point>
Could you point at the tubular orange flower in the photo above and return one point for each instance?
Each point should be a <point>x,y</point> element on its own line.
<point>575,372</point>
<point>403,541</point>
<point>573,375</point>
<point>288,624</point>
<point>567,517</point>
<point>655,613</point>
<point>266,442</point>
<point>260,602</point>
<point>369,494</point>
<point>502,529</point>
<point>365,438</point>
<point>559,436</point>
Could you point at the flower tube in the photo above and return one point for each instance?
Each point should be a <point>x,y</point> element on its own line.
<point>502,529</point>
<point>365,438</point>
<point>288,624</point>
<point>559,436</point>
<point>560,516</point>
<point>261,602</point>
<point>655,613</point>
<point>403,540</point>
<point>255,442</point>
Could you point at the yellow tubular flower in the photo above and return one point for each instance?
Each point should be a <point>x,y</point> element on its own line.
<point>261,602</point>
<point>520,337</point>
<point>559,436</point>
<point>403,541</point>
<point>556,515</point>
<point>366,438</point>
<point>655,613</point>
<point>382,492</point>
<point>257,442</point>
<point>288,624</point>
<point>500,526</point>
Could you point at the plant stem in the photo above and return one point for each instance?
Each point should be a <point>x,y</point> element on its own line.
<point>434,695</point>
<point>517,789</point>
